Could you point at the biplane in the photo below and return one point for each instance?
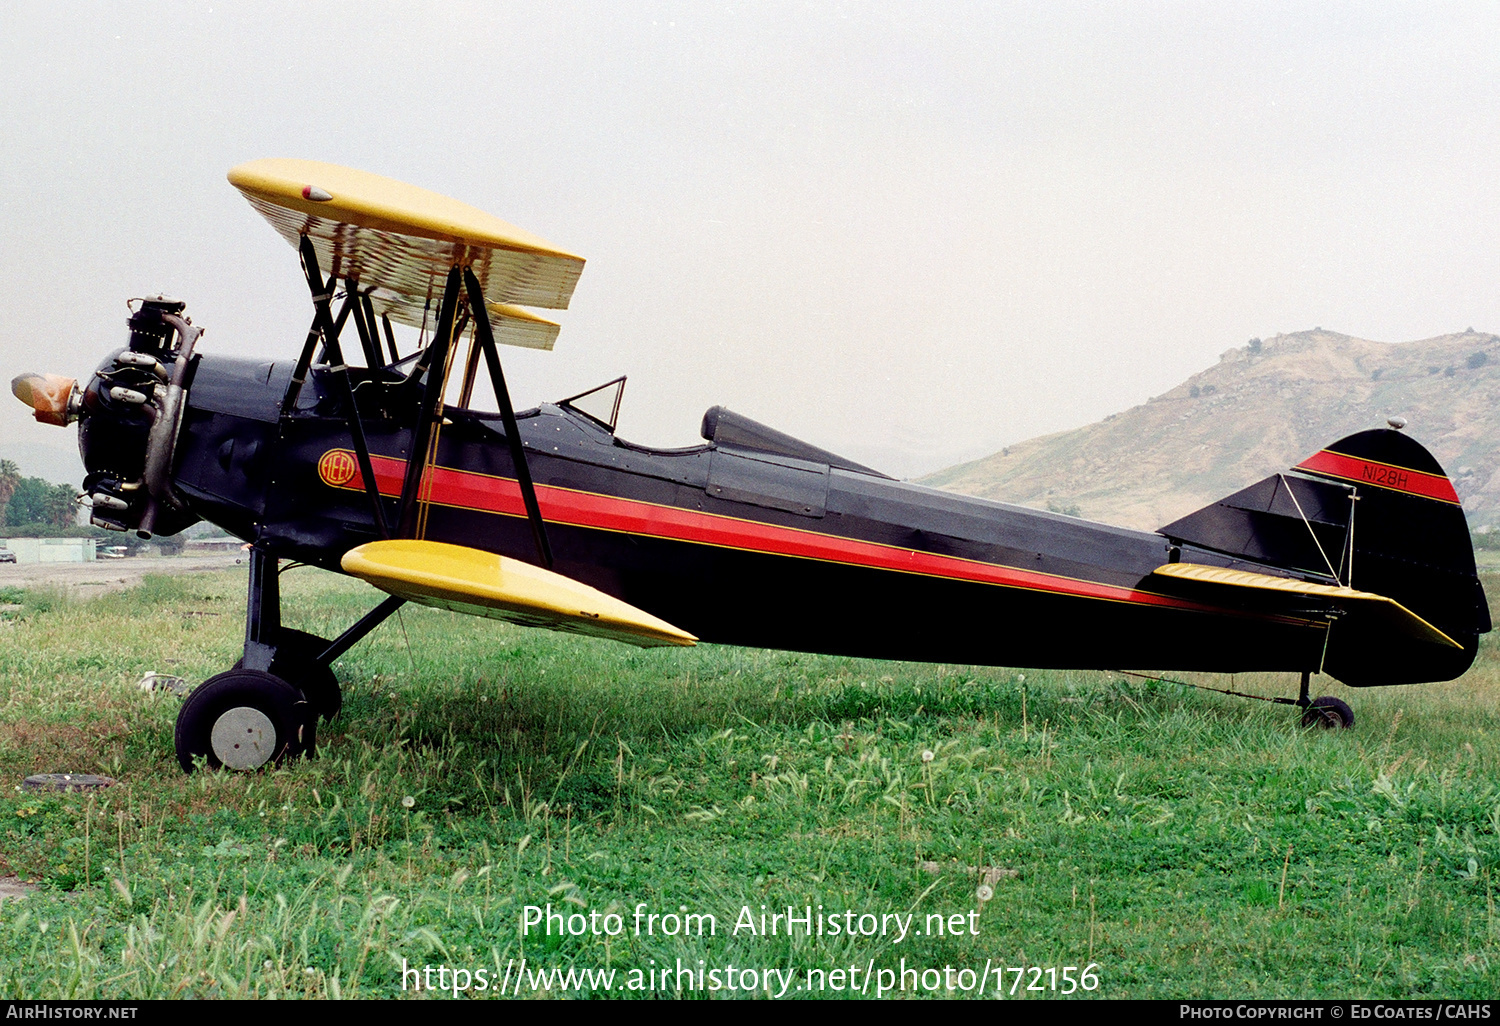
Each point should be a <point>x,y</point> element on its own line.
<point>403,466</point>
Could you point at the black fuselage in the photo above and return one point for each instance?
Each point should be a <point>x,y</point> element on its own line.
<point>735,545</point>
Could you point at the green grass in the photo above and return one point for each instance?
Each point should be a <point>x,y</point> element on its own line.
<point>1184,843</point>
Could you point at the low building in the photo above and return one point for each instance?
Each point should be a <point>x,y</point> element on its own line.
<point>51,550</point>
<point>210,546</point>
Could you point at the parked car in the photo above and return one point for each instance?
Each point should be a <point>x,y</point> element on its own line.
<point>7,556</point>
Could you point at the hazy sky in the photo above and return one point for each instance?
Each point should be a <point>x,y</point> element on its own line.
<point>910,232</point>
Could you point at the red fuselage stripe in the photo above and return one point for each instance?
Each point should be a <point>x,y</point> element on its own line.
<point>1381,475</point>
<point>484,493</point>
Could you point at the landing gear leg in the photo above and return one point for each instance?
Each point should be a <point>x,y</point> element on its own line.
<point>262,611</point>
<point>259,712</point>
<point>294,656</point>
<point>266,708</point>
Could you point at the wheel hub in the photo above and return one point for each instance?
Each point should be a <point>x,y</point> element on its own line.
<point>243,738</point>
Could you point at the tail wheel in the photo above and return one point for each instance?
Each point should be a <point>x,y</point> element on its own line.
<point>297,662</point>
<point>1329,713</point>
<point>244,720</point>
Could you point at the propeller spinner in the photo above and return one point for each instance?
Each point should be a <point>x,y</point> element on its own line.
<point>53,398</point>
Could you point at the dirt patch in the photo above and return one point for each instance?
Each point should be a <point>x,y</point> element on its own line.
<point>14,887</point>
<point>104,575</point>
<point>57,746</point>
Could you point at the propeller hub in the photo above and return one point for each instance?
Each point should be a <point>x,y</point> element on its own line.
<point>53,398</point>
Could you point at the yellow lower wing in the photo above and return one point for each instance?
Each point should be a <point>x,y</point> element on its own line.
<point>1375,609</point>
<point>482,583</point>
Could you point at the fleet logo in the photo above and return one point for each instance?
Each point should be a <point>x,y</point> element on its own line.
<point>337,467</point>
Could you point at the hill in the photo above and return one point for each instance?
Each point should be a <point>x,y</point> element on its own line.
<point>1260,409</point>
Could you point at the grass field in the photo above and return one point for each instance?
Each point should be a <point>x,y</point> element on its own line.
<point>1179,842</point>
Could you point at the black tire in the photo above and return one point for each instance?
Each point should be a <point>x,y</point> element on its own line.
<point>297,663</point>
<point>1329,713</point>
<point>276,722</point>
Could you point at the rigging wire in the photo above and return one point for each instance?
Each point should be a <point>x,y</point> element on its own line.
<point>1326,561</point>
<point>1203,687</point>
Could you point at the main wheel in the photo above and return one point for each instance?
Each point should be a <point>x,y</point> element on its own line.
<point>243,720</point>
<point>1329,713</point>
<point>297,663</point>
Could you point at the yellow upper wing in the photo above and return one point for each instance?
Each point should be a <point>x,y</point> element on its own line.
<point>402,240</point>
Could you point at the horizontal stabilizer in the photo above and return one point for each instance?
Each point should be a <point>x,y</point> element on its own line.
<point>485,584</point>
<point>1376,611</point>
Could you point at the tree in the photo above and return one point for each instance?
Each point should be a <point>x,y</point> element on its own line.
<point>10,476</point>
<point>34,501</point>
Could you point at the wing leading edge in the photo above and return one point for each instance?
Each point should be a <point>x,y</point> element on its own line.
<point>485,584</point>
